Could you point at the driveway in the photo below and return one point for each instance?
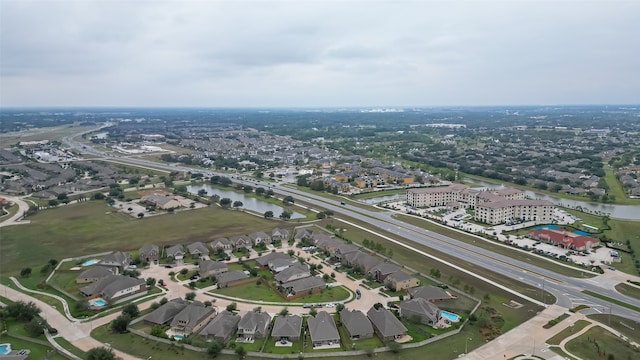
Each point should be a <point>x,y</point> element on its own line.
<point>16,219</point>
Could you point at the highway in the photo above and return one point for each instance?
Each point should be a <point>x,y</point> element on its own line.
<point>567,290</point>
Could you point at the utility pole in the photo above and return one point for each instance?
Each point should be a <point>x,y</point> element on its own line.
<point>543,302</point>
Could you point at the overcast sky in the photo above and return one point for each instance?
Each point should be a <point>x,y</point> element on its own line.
<point>302,53</point>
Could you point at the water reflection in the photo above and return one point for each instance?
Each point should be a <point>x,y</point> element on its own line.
<point>249,203</point>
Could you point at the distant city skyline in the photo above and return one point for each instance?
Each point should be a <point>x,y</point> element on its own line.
<point>318,54</point>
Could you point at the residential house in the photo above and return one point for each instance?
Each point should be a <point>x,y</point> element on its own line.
<point>241,242</point>
<point>287,328</point>
<point>356,323</point>
<point>198,249</point>
<point>308,284</point>
<point>231,278</point>
<point>175,252</point>
<point>192,318</point>
<point>279,264</point>
<point>323,330</point>
<point>400,280</point>
<point>263,261</point>
<point>303,234</point>
<point>385,324</point>
<point>221,327</point>
<point>212,268</point>
<point>114,287</point>
<point>326,243</point>
<point>382,270</point>
<point>221,243</point>
<point>165,313</point>
<point>253,325</point>
<point>117,259</point>
<point>260,237</point>
<point>360,260</point>
<point>278,234</point>
<point>159,201</point>
<point>419,308</point>
<point>430,293</point>
<point>93,274</point>
<point>294,272</point>
<point>343,249</point>
<point>149,252</point>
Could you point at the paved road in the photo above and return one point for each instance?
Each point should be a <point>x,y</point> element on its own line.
<point>16,219</point>
<point>567,290</point>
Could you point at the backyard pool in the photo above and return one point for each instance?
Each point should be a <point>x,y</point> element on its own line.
<point>98,302</point>
<point>549,226</point>
<point>178,337</point>
<point>90,262</point>
<point>451,316</point>
<point>5,349</point>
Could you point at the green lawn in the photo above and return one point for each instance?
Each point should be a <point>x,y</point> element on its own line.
<point>628,328</point>
<point>295,349</point>
<point>37,351</point>
<point>628,290</point>
<point>599,343</point>
<point>252,291</point>
<point>557,338</point>
<point>93,227</point>
<point>363,344</point>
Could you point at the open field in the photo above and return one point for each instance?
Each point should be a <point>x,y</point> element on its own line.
<point>93,227</point>
<point>54,133</point>
<point>628,328</point>
<point>515,254</point>
<point>629,290</point>
<point>599,343</point>
<point>575,328</point>
<point>374,194</point>
<point>252,291</point>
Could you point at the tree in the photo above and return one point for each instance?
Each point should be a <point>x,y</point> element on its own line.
<point>151,281</point>
<point>237,204</point>
<point>101,353</point>
<point>35,327</point>
<point>241,352</point>
<point>286,215</point>
<point>260,191</point>
<point>225,202</point>
<point>140,215</point>
<point>22,311</point>
<point>190,296</point>
<point>25,272</point>
<point>268,214</point>
<point>131,310</point>
<point>339,307</point>
<point>394,347</point>
<point>99,196</point>
<point>202,192</point>
<point>184,271</point>
<point>120,324</point>
<point>284,312</point>
<point>232,307</point>
<point>214,349</point>
<point>53,202</point>
<point>288,200</point>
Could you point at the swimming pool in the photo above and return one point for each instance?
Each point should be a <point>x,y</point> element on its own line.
<point>580,232</point>
<point>5,349</point>
<point>548,226</point>
<point>90,262</point>
<point>178,337</point>
<point>451,316</point>
<point>98,302</point>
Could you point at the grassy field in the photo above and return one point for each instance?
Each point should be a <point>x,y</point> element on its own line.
<point>374,194</point>
<point>628,328</point>
<point>498,249</point>
<point>93,227</point>
<point>252,291</point>
<point>598,343</point>
<point>575,328</point>
<point>46,133</point>
<point>628,290</point>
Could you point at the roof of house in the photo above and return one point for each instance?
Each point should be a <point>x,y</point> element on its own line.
<point>264,259</point>
<point>110,285</point>
<point>175,249</point>
<point>210,265</point>
<point>385,268</point>
<point>157,199</point>
<point>386,323</point>
<point>288,326</point>
<point>359,258</point>
<point>429,292</point>
<point>222,241</point>
<point>230,276</point>
<point>221,326</point>
<point>303,284</point>
<point>399,276</point>
<point>280,232</point>
<point>419,306</point>
<point>254,320</point>
<point>259,234</point>
<point>304,233</point>
<point>293,270</point>
<point>280,262</point>
<point>147,248</point>
<point>322,327</point>
<point>346,249</point>
<point>166,312</point>
<point>192,315</point>
<point>118,258</point>
<point>356,322</point>
<point>95,272</point>
<point>198,247</point>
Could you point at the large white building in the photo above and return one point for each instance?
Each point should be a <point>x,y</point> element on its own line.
<point>491,206</point>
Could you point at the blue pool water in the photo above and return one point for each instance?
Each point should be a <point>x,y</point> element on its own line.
<point>90,262</point>
<point>549,226</point>
<point>5,349</point>
<point>451,316</point>
<point>97,302</point>
<point>178,337</point>
<point>581,233</point>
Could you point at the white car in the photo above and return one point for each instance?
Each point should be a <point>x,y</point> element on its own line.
<point>330,305</point>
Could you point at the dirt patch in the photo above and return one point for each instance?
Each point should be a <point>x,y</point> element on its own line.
<point>513,304</point>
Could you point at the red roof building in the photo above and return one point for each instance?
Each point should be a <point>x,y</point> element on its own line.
<point>565,239</point>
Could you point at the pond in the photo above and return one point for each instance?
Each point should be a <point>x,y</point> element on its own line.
<point>249,203</point>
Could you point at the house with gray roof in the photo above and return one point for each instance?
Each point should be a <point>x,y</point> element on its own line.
<point>382,270</point>
<point>422,309</point>
<point>326,243</point>
<point>149,253</point>
<point>260,237</point>
<point>287,328</point>
<point>344,249</point>
<point>278,234</point>
<point>357,324</point>
<point>253,325</point>
<point>279,264</point>
<point>361,260</point>
<point>117,259</point>
<point>165,313</point>
<point>160,201</point>
<point>241,242</point>
<point>303,234</point>
<point>114,287</point>
<point>230,278</point>
<point>309,284</point>
<point>400,280</point>
<point>95,273</point>
<point>293,272</point>
<point>263,260</point>
<point>221,243</point>
<point>212,268</point>
<point>323,330</point>
<point>176,252</point>
<point>192,318</point>
<point>198,249</point>
<point>385,324</point>
<point>221,327</point>
<point>430,293</point>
